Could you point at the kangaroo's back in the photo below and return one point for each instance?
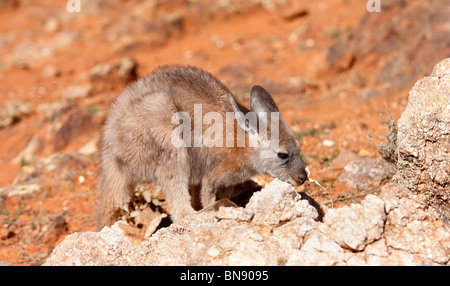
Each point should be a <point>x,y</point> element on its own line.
<point>186,86</point>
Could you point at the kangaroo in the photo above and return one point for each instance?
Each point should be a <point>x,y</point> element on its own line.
<point>137,144</point>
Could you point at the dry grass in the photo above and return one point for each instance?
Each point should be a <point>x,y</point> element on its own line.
<point>388,146</point>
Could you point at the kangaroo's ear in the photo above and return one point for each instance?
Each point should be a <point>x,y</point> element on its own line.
<point>247,122</point>
<point>262,103</point>
<point>261,100</point>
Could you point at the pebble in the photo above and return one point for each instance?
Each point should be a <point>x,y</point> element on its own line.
<point>81,179</point>
<point>328,143</point>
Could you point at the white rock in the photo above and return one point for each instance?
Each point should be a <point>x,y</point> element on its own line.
<point>278,202</point>
<point>328,143</point>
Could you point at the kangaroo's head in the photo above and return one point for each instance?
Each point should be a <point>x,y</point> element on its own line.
<point>277,151</point>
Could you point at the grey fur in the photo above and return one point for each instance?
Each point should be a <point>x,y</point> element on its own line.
<point>136,144</point>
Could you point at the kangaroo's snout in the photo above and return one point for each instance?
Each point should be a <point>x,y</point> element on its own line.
<point>300,177</point>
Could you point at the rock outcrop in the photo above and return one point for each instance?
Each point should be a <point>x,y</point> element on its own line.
<point>424,140</point>
<point>393,229</point>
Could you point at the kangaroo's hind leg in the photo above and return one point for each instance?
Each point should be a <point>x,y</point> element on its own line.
<point>173,177</point>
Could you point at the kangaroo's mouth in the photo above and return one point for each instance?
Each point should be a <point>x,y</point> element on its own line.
<point>293,182</point>
<point>298,181</point>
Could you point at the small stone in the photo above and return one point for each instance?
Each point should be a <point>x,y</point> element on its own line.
<point>328,143</point>
<point>100,71</point>
<point>345,157</point>
<point>30,150</point>
<point>5,233</point>
<point>50,71</point>
<point>346,228</point>
<point>292,13</point>
<point>89,148</point>
<point>74,124</point>
<point>127,69</point>
<point>366,173</point>
<point>13,112</point>
<point>20,190</point>
<point>81,179</point>
<point>51,25</point>
<point>278,202</point>
<point>78,91</point>
<point>57,228</point>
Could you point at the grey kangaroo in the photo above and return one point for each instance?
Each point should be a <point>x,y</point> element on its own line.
<point>137,145</point>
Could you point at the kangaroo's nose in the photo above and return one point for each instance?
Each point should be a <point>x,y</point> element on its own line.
<point>301,177</point>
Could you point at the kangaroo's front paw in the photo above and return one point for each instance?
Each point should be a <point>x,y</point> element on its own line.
<point>220,203</point>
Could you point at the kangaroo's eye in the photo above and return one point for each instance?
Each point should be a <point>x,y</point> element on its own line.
<point>283,156</point>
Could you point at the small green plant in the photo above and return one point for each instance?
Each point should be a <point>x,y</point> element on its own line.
<point>23,162</point>
<point>92,110</point>
<point>306,132</point>
<point>304,159</point>
<point>388,146</point>
<point>328,158</point>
